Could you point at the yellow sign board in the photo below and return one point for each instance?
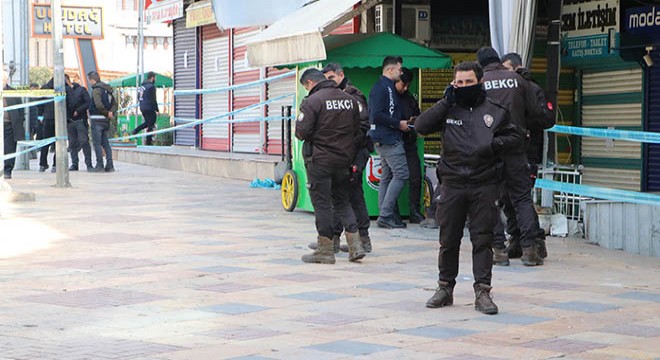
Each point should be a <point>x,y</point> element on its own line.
<point>199,14</point>
<point>77,22</point>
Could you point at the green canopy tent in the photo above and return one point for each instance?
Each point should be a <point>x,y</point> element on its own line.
<point>129,81</point>
<point>361,56</point>
<point>368,50</point>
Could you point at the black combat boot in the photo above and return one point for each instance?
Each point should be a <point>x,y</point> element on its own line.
<point>324,254</point>
<point>335,244</point>
<point>542,249</point>
<point>355,249</point>
<point>530,256</point>
<point>444,296</point>
<point>500,257</point>
<point>483,302</point>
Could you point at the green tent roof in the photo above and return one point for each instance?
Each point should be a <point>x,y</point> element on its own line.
<point>368,50</point>
<point>129,81</point>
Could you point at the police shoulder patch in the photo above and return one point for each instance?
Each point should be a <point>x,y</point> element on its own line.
<point>488,120</point>
<point>301,116</point>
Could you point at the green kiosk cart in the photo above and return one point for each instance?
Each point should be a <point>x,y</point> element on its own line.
<point>361,56</point>
<point>131,118</point>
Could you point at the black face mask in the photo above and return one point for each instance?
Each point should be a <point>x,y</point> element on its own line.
<point>467,96</point>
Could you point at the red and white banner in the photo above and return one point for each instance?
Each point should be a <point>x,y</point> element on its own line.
<point>162,10</point>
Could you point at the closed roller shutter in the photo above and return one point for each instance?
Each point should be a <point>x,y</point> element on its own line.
<point>215,73</point>
<point>274,89</point>
<point>185,77</point>
<point>612,99</point>
<point>246,136</point>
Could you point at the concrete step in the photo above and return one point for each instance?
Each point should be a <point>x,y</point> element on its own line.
<point>221,164</point>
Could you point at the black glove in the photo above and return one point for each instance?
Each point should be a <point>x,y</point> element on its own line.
<point>449,95</point>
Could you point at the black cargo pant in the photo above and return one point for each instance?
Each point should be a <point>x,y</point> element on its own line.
<point>414,173</point>
<point>328,190</point>
<point>78,132</point>
<point>457,202</point>
<point>356,197</point>
<point>517,200</point>
<point>510,213</point>
<point>149,124</point>
<point>10,147</point>
<point>48,132</point>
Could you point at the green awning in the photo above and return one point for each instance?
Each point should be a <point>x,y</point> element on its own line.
<point>129,81</point>
<point>368,50</point>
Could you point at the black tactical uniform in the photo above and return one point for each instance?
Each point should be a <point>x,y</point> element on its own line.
<point>13,130</point>
<point>473,138</point>
<point>410,108</point>
<point>515,93</point>
<point>328,123</point>
<point>535,128</point>
<point>356,193</point>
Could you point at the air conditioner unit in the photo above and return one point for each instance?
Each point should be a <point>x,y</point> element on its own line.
<point>415,21</point>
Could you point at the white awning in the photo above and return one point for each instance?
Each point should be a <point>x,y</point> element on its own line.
<point>247,13</point>
<point>298,37</point>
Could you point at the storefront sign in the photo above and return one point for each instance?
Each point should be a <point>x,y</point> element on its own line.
<point>200,13</point>
<point>162,10</point>
<point>643,21</point>
<point>590,29</point>
<point>77,22</point>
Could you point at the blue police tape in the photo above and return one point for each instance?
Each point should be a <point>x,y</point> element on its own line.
<point>637,136</point>
<point>600,193</point>
<point>194,122</point>
<point>33,103</point>
<point>136,105</point>
<point>37,144</point>
<point>233,87</point>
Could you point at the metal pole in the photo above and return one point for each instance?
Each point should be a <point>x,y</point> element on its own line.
<point>25,61</point>
<point>60,106</point>
<point>140,54</point>
<point>552,90</point>
<point>2,113</point>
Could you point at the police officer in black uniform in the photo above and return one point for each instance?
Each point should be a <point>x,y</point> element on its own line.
<point>513,62</point>
<point>476,130</point>
<point>329,125</point>
<point>77,104</point>
<point>13,127</point>
<point>514,92</point>
<point>335,72</point>
<point>410,110</point>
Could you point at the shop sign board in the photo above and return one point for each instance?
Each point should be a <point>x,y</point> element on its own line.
<point>200,13</point>
<point>590,30</point>
<point>157,11</point>
<point>643,21</point>
<point>77,22</point>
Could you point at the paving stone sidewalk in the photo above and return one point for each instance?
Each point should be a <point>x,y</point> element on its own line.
<point>147,263</point>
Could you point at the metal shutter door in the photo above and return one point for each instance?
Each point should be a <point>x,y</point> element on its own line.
<point>653,110</point>
<point>246,136</point>
<point>611,110</point>
<point>215,73</point>
<point>185,77</point>
<point>275,89</point>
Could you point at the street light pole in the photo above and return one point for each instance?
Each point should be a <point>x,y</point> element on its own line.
<point>60,106</point>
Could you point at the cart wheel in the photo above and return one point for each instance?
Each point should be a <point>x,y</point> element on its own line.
<point>289,190</point>
<point>428,194</point>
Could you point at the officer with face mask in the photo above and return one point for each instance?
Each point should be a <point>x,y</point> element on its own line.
<point>476,132</point>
